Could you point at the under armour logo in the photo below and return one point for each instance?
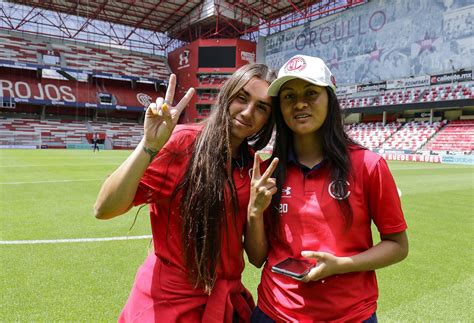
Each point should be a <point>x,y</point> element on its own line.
<point>184,58</point>
<point>286,192</point>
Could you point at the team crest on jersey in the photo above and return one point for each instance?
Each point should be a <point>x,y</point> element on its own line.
<point>339,190</point>
<point>286,192</point>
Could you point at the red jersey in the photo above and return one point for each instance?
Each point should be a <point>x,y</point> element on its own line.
<point>312,220</point>
<point>162,291</point>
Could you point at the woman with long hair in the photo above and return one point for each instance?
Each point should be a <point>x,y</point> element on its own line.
<point>196,181</point>
<point>326,192</point>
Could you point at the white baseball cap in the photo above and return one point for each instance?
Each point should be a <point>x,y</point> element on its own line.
<point>308,68</point>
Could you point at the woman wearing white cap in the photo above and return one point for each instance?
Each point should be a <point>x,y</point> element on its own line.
<point>326,192</point>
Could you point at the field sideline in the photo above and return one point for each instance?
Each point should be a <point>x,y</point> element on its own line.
<point>48,195</point>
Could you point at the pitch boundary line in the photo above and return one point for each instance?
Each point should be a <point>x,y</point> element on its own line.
<point>57,181</point>
<point>17,242</point>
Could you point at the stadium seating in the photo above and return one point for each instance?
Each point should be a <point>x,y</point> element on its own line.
<point>83,57</point>
<point>457,136</point>
<point>412,135</point>
<point>404,96</point>
<point>99,60</point>
<point>54,133</point>
<point>458,91</point>
<point>347,103</point>
<point>21,50</point>
<point>122,135</point>
<point>60,133</point>
<point>372,135</point>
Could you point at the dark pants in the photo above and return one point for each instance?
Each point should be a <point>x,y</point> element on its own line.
<point>259,317</point>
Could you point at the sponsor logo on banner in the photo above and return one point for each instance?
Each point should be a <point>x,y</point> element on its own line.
<point>409,82</point>
<point>248,56</point>
<point>451,77</point>
<point>144,99</point>
<point>184,59</point>
<point>372,87</point>
<point>342,90</point>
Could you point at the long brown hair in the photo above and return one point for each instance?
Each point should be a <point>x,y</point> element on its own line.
<point>208,180</point>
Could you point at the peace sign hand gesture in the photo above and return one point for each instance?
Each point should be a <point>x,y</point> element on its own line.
<point>161,117</point>
<point>262,187</point>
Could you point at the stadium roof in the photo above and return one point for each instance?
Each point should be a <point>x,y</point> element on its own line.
<point>178,20</point>
<point>149,14</point>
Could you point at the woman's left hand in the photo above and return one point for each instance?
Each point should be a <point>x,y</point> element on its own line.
<point>262,187</point>
<point>327,265</point>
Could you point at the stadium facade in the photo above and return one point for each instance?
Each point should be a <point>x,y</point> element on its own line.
<point>403,68</point>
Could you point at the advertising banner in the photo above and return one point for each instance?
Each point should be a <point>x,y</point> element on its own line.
<point>423,80</point>
<point>343,90</point>
<point>458,159</point>
<point>445,159</point>
<point>413,158</point>
<point>371,87</point>
<point>460,76</point>
<point>52,92</point>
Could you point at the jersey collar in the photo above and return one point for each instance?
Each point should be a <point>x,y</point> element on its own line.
<point>293,159</point>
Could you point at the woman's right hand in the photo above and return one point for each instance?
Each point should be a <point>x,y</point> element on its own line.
<point>161,117</point>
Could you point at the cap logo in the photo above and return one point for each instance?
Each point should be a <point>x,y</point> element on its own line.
<point>333,80</point>
<point>295,64</point>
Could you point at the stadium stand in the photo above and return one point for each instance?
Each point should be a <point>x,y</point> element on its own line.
<point>456,136</point>
<point>60,133</point>
<point>438,137</point>
<point>21,48</point>
<point>412,135</point>
<point>457,91</point>
<point>403,96</point>
<point>372,135</point>
<point>109,104</point>
<point>122,135</point>
<point>52,133</point>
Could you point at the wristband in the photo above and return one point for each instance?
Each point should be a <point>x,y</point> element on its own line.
<point>150,152</point>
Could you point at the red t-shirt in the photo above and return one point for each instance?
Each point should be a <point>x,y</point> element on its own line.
<point>161,290</point>
<point>311,220</point>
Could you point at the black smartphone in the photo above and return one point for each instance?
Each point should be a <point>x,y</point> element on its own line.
<point>294,268</point>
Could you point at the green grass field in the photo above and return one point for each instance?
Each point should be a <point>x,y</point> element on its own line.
<point>48,195</point>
